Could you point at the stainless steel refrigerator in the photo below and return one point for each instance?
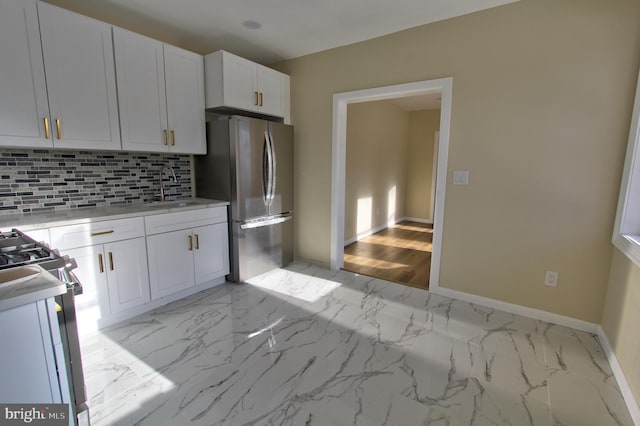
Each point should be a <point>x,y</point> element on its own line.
<point>249,163</point>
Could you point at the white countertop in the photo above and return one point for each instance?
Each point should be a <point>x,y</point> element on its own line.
<point>41,285</point>
<point>29,221</point>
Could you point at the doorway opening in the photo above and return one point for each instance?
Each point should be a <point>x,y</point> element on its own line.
<point>389,186</point>
<point>340,103</point>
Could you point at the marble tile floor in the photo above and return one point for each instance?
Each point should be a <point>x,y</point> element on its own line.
<point>310,346</point>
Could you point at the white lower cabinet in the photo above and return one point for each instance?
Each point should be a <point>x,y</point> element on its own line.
<point>126,266</point>
<point>93,304</point>
<point>27,355</point>
<point>111,258</point>
<point>211,255</point>
<point>114,278</point>
<point>184,258</point>
<point>127,274</point>
<point>170,263</point>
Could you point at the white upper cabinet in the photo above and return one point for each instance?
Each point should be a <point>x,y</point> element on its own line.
<point>23,92</point>
<point>141,91</point>
<point>184,75</point>
<point>235,82</point>
<point>58,85</point>
<point>160,95</point>
<point>81,83</point>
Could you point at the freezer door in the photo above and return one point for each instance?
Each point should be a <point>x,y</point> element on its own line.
<point>250,158</point>
<point>259,249</point>
<point>281,136</point>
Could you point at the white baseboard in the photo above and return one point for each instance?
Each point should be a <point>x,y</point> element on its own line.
<point>625,388</point>
<point>370,232</point>
<point>589,327</point>
<point>416,219</point>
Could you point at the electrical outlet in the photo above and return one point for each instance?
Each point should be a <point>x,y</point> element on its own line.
<point>551,279</point>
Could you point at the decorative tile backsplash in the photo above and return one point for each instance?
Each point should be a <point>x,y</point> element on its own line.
<point>45,180</point>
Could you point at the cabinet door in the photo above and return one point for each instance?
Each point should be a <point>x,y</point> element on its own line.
<point>23,357</point>
<point>23,91</point>
<point>184,73</point>
<point>170,263</point>
<point>127,274</point>
<point>211,254</point>
<point>79,67</point>
<point>270,87</point>
<point>93,303</point>
<point>240,82</point>
<point>141,92</point>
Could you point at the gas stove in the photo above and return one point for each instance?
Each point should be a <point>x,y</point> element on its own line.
<point>17,249</point>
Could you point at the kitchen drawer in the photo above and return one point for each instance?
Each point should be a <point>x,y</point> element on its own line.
<point>88,234</point>
<point>169,222</point>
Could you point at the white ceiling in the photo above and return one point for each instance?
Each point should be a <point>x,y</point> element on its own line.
<point>288,28</point>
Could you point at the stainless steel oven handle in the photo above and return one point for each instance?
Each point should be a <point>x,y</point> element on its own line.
<point>70,280</point>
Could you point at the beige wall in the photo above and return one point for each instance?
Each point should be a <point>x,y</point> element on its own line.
<point>621,317</point>
<point>422,128</point>
<point>377,141</point>
<point>542,96</point>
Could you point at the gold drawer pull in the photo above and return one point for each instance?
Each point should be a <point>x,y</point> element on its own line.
<point>100,263</point>
<point>166,137</point>
<point>173,138</point>
<point>190,243</point>
<point>260,104</point>
<point>95,234</point>
<point>197,241</point>
<point>47,133</point>
<point>257,97</point>
<point>111,261</point>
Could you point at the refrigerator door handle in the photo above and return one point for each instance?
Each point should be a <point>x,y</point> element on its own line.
<point>273,168</point>
<point>272,220</point>
<point>270,168</point>
<point>266,170</point>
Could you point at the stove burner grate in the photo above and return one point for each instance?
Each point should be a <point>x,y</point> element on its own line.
<point>17,249</point>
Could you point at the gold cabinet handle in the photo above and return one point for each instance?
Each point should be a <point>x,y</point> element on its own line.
<point>260,104</point>
<point>95,234</point>
<point>197,241</point>
<point>190,243</point>
<point>257,97</point>
<point>166,137</point>
<point>111,261</point>
<point>58,128</point>
<point>47,133</point>
<point>100,263</point>
<point>173,138</point>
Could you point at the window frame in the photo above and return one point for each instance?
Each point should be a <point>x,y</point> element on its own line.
<point>626,231</point>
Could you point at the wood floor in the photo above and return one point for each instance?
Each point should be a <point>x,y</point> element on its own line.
<point>401,253</point>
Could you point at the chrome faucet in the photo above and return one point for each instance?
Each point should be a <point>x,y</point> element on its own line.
<point>173,176</point>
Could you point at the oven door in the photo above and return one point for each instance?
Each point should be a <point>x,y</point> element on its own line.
<point>71,344</point>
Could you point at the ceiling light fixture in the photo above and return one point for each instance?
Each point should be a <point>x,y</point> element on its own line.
<point>252,25</point>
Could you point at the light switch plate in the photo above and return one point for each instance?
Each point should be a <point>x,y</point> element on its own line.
<point>461,177</point>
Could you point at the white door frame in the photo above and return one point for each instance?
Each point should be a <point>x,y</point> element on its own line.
<point>339,154</point>
<point>434,177</point>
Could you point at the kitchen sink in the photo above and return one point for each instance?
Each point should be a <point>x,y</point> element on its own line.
<point>170,204</point>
